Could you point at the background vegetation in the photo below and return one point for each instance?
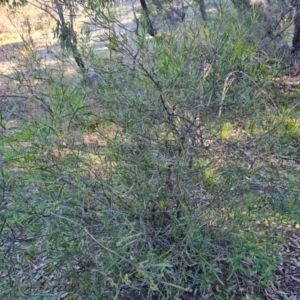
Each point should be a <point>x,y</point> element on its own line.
<point>166,167</point>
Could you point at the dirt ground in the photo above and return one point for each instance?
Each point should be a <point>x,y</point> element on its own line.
<point>35,27</point>
<point>28,45</point>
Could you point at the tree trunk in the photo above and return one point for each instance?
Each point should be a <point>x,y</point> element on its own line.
<point>67,34</point>
<point>296,38</point>
<point>202,9</point>
<point>150,28</point>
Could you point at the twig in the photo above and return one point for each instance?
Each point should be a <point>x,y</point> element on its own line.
<point>227,84</point>
<point>12,96</point>
<point>110,250</point>
<point>287,158</point>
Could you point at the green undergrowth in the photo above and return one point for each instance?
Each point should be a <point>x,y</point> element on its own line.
<point>175,179</point>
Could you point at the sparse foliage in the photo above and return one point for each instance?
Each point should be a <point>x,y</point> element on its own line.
<point>173,175</point>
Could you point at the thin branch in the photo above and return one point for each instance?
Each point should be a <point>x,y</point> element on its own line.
<point>110,250</point>
<point>46,9</point>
